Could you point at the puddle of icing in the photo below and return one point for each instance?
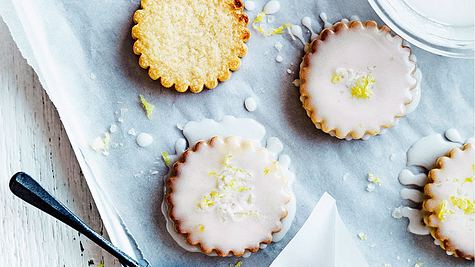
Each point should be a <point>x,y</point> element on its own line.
<point>406,177</point>
<point>296,32</point>
<point>412,194</point>
<point>425,152</point>
<point>453,135</point>
<point>195,131</point>
<point>415,221</point>
<point>324,18</point>
<point>231,126</point>
<point>307,22</point>
<point>250,104</point>
<point>271,7</point>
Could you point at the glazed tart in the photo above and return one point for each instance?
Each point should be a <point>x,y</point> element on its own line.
<point>227,196</point>
<point>450,202</point>
<point>190,44</point>
<point>357,79</point>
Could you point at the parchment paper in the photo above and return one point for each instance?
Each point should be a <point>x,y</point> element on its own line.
<point>82,52</point>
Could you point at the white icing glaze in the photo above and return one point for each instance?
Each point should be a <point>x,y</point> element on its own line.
<point>279,58</point>
<point>454,188</point>
<point>235,126</point>
<point>415,221</point>
<point>406,177</point>
<point>453,135</point>
<point>323,16</point>
<point>144,139</point>
<point>271,7</point>
<point>250,104</point>
<point>307,22</point>
<point>195,131</point>
<point>371,51</point>
<point>411,194</point>
<point>296,32</point>
<point>417,92</point>
<point>425,152</point>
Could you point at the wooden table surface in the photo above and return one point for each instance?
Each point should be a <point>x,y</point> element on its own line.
<point>32,139</point>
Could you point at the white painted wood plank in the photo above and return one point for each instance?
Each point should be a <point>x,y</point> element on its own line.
<point>33,140</point>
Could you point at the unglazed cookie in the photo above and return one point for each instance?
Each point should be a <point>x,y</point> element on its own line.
<point>190,43</point>
<point>227,196</point>
<point>450,202</point>
<point>356,79</point>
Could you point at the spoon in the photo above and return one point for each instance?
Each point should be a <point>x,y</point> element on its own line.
<point>26,188</point>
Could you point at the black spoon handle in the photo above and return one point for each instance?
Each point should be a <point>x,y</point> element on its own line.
<point>26,188</point>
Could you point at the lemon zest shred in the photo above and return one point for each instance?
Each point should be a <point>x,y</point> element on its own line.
<point>443,211</point>
<point>201,228</point>
<point>336,78</point>
<point>147,107</point>
<point>362,88</point>
<point>464,204</point>
<point>166,158</point>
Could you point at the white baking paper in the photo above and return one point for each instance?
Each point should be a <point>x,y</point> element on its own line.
<point>82,53</point>
<point>323,240</point>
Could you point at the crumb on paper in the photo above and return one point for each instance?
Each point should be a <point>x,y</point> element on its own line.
<point>113,128</point>
<point>166,158</point>
<point>147,107</point>
<point>374,179</point>
<point>362,236</point>
<point>392,157</point>
<point>279,58</point>
<point>132,132</point>
<point>237,264</point>
<point>418,264</point>
<point>289,71</point>
<point>278,46</point>
<point>102,144</point>
<point>370,187</point>
<point>387,265</point>
<point>397,213</point>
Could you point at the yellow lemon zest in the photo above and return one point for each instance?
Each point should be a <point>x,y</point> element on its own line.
<point>443,211</point>
<point>468,180</point>
<point>464,204</point>
<point>362,88</point>
<point>336,78</point>
<point>201,228</point>
<point>166,158</point>
<point>147,107</point>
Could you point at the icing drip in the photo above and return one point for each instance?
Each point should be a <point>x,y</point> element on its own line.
<point>412,194</point>
<point>250,104</point>
<point>415,221</point>
<point>406,177</point>
<point>296,32</point>
<point>324,18</point>
<point>453,135</point>
<point>271,7</point>
<point>195,131</point>
<point>425,151</point>
<point>307,22</point>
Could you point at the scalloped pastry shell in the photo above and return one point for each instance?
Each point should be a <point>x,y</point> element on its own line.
<point>175,175</point>
<point>305,97</point>
<point>190,44</point>
<point>430,218</point>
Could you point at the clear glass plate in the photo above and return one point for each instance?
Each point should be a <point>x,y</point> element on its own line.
<point>444,30</point>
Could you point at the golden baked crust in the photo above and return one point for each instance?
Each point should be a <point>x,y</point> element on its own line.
<point>190,43</point>
<point>430,205</point>
<point>305,66</point>
<point>175,174</point>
